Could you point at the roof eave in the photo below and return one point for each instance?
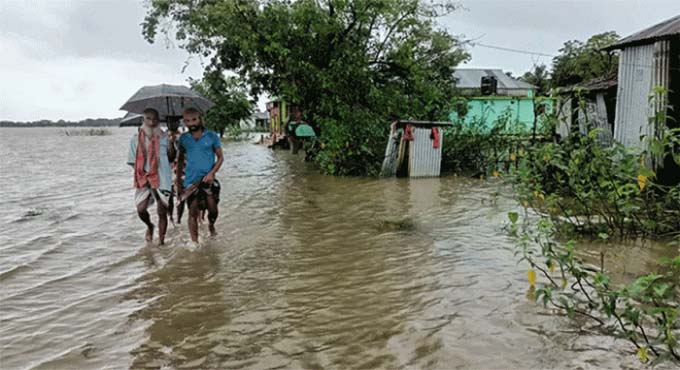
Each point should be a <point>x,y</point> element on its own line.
<point>626,44</point>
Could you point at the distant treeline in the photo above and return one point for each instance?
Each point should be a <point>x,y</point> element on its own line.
<point>90,122</point>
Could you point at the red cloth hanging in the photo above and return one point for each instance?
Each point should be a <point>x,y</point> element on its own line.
<point>435,137</point>
<point>408,133</point>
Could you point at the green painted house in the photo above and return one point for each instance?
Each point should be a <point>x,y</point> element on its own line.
<point>511,101</point>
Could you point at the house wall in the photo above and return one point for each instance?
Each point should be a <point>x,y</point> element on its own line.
<point>487,110</point>
<point>424,159</point>
<point>500,92</point>
<point>564,116</point>
<point>594,116</point>
<point>635,79</point>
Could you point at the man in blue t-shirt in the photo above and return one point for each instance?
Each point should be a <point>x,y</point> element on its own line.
<point>200,147</point>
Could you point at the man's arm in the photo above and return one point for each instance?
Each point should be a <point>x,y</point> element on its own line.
<point>210,177</point>
<point>132,151</point>
<point>180,170</point>
<point>172,152</point>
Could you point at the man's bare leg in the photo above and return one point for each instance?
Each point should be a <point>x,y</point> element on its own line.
<point>180,211</point>
<point>146,218</point>
<point>171,201</point>
<point>212,214</point>
<point>162,222</point>
<point>193,218</point>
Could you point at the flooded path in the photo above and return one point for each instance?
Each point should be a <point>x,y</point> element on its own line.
<point>308,271</point>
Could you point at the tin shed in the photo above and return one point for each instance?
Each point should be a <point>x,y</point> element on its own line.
<point>414,149</point>
<point>649,59</point>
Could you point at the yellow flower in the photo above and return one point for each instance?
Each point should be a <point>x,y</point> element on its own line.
<point>495,173</point>
<point>513,157</point>
<point>531,275</point>
<point>642,354</point>
<point>642,181</point>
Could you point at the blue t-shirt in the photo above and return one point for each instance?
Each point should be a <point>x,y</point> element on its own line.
<point>200,154</point>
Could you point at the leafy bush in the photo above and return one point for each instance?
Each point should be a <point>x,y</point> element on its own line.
<point>352,146</point>
<point>589,188</point>
<point>234,133</point>
<point>645,311</point>
<point>472,148</point>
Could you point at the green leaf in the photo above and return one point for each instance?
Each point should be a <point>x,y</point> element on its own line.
<point>661,289</point>
<point>601,279</point>
<point>603,236</point>
<point>647,172</point>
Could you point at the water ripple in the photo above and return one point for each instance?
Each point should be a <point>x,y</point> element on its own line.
<point>307,271</point>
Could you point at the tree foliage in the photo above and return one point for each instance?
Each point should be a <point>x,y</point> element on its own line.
<point>351,65</point>
<point>230,96</point>
<point>539,77</point>
<point>579,62</point>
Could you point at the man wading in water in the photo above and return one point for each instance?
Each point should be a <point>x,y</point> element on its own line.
<point>150,154</point>
<point>200,189</point>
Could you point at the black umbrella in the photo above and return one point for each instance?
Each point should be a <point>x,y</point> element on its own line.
<point>131,120</point>
<point>168,100</point>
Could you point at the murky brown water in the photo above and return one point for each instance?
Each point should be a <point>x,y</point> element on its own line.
<point>308,271</point>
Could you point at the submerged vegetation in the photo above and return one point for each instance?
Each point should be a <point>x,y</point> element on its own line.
<point>88,132</point>
<point>580,187</point>
<point>588,187</point>
<point>645,312</point>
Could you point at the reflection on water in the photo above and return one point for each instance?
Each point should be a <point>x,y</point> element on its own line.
<point>307,271</point>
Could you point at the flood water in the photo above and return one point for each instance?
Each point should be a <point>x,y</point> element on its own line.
<point>308,271</point>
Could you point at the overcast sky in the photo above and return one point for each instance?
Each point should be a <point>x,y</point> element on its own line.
<point>74,59</point>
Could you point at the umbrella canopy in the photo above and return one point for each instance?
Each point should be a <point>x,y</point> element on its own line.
<point>168,100</point>
<point>131,119</point>
<point>304,130</point>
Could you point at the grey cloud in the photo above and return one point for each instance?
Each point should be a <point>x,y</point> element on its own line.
<point>103,28</point>
<point>544,26</point>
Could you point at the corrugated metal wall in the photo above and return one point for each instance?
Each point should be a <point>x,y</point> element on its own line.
<point>641,69</point>
<point>605,137</point>
<point>564,117</point>
<point>595,116</point>
<point>424,160</point>
<point>636,76</point>
<point>661,72</point>
<point>662,51</point>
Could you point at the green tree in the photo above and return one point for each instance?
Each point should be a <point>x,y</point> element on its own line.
<point>579,62</point>
<point>230,96</point>
<point>538,77</point>
<point>351,65</point>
